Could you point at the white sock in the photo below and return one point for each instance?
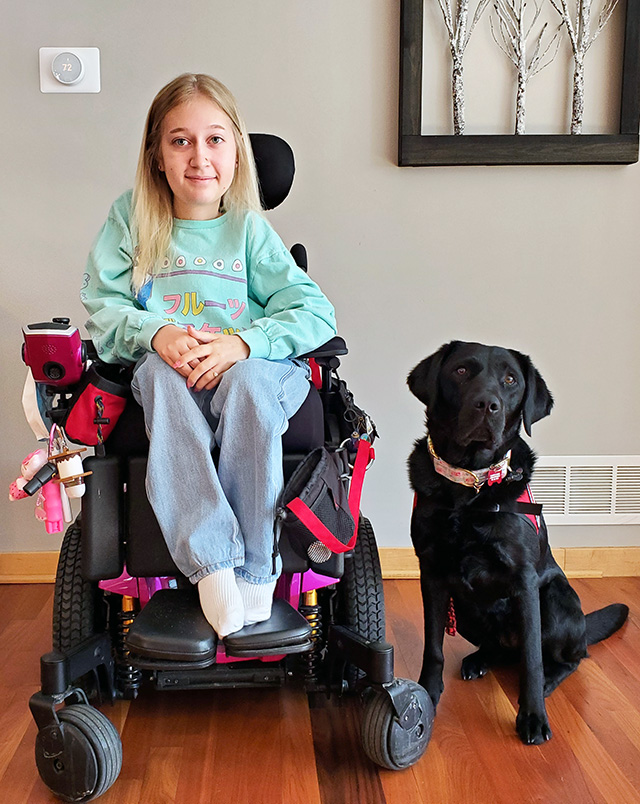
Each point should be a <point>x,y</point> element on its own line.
<point>221,602</point>
<point>257,598</point>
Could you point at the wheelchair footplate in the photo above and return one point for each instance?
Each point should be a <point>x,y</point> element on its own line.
<point>171,632</point>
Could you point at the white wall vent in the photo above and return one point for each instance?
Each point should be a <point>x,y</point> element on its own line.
<point>588,489</point>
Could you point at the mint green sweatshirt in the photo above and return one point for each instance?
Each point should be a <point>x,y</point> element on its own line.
<point>229,275</point>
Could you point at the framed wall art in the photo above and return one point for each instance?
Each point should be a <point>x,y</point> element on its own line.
<point>515,51</point>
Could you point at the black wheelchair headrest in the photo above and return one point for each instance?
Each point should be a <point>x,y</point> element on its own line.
<point>276,168</point>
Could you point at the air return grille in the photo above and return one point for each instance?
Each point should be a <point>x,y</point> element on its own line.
<point>588,489</point>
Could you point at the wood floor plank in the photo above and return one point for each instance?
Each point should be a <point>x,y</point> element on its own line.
<point>299,769</point>
<point>23,601</point>
<point>344,772</point>
<point>249,731</point>
<point>20,784</point>
<point>15,719</point>
<point>198,767</point>
<point>457,775</point>
<point>598,765</point>
<point>610,715</point>
<point>17,730</point>
<point>267,733</point>
<point>403,631</point>
<point>161,775</point>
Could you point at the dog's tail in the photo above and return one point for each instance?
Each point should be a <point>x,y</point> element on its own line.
<point>604,622</point>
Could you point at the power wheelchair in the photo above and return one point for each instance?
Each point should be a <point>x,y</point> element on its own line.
<point>124,616</point>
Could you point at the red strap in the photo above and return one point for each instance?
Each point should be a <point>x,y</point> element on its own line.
<point>314,525</point>
<point>365,454</point>
<point>316,374</point>
<point>527,497</point>
<point>319,530</point>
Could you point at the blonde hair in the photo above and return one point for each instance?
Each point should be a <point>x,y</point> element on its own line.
<point>152,211</point>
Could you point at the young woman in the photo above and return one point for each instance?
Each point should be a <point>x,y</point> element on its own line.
<point>188,281</point>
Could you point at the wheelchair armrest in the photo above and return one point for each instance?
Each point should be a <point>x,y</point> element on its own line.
<point>336,346</point>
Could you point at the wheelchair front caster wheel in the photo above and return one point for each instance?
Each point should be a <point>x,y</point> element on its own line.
<point>80,758</point>
<point>396,741</point>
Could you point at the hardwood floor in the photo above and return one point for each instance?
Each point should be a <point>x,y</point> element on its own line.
<point>280,747</point>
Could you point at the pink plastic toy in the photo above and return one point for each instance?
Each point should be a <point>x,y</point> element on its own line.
<point>48,501</point>
<point>36,460</point>
<point>50,511</point>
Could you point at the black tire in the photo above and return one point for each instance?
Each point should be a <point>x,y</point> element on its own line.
<point>91,756</point>
<point>79,609</point>
<point>384,739</point>
<point>361,594</point>
<point>77,604</point>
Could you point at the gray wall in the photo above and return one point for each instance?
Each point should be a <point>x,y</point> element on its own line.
<point>542,259</point>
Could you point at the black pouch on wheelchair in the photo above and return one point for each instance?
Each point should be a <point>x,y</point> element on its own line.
<point>96,404</point>
<point>314,507</point>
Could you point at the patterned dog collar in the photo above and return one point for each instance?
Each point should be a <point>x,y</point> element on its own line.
<point>495,473</point>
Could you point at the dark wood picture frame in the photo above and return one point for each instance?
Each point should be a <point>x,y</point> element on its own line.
<point>416,149</point>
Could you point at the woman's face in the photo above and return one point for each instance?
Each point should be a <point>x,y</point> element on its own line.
<point>198,156</point>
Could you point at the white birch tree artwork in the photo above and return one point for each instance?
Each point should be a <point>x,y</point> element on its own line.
<point>581,38</point>
<point>459,31</point>
<point>513,32</point>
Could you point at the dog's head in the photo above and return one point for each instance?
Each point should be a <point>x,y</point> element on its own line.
<point>480,394</point>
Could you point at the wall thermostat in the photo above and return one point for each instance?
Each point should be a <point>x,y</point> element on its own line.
<point>69,69</point>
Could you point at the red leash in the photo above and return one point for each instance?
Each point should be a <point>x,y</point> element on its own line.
<point>451,627</point>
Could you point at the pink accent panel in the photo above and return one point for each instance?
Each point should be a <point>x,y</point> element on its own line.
<point>124,585</point>
<point>142,588</point>
<point>222,658</point>
<point>294,590</point>
<point>311,580</point>
<point>149,586</point>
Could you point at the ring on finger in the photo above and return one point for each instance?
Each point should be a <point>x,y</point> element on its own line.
<point>215,374</point>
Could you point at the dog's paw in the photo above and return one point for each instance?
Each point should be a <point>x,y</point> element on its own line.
<point>533,728</point>
<point>473,667</point>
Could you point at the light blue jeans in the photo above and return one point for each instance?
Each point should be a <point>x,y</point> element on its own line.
<point>210,518</point>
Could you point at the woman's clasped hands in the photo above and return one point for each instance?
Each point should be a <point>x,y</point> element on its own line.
<point>200,357</point>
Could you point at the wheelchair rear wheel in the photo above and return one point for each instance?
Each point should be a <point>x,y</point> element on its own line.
<point>361,594</point>
<point>79,609</point>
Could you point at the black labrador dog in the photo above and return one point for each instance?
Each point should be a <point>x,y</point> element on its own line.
<point>480,546</point>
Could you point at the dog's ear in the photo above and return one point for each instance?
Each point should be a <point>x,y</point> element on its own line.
<point>423,379</point>
<point>537,402</point>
